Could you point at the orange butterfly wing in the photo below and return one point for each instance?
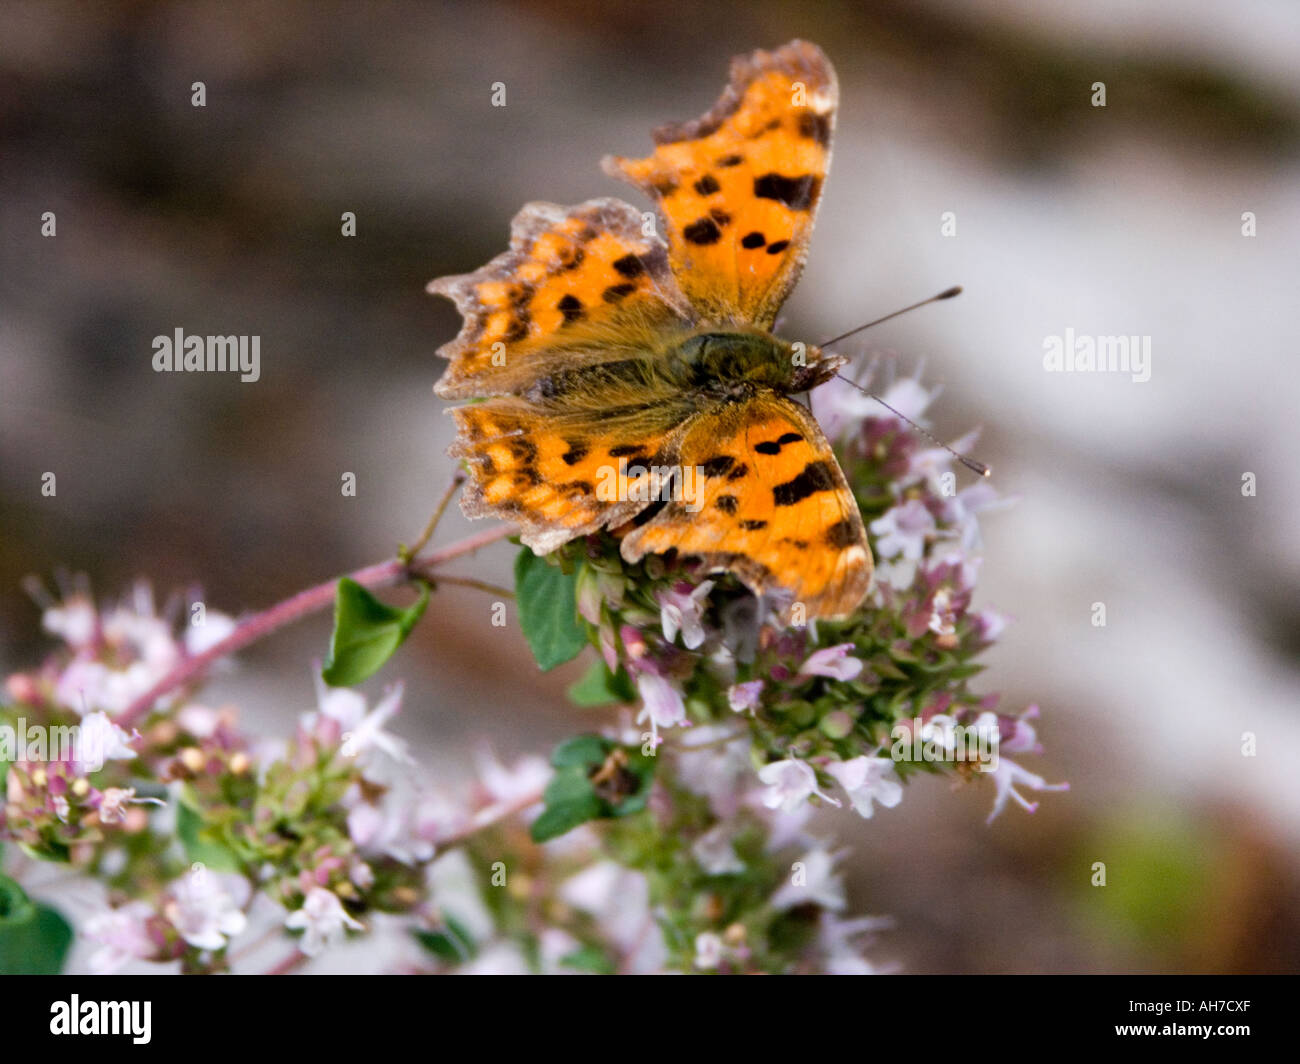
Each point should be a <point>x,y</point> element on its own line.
<point>769,503</point>
<point>574,282</point>
<point>738,188</point>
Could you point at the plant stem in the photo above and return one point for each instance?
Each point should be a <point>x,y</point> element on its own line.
<point>260,625</point>
<point>490,815</point>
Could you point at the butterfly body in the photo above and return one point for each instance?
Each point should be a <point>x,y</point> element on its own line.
<point>616,363</point>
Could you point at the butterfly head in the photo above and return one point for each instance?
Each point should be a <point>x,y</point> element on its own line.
<point>738,360</point>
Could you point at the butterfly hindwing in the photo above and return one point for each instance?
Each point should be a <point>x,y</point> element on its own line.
<point>562,475</point>
<point>738,188</point>
<point>770,505</point>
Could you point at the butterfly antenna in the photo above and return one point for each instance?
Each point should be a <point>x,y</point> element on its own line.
<point>969,463</point>
<point>947,293</point>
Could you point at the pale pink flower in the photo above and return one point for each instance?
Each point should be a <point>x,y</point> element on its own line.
<point>1008,776</point>
<point>832,662</point>
<point>790,783</point>
<point>122,935</point>
<point>867,780</point>
<point>745,697</point>
<point>904,530</point>
<point>813,879</point>
<point>684,611</point>
<point>663,705</point>
<point>203,911</point>
<point>323,920</point>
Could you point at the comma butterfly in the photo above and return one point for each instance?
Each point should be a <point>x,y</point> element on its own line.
<point>611,359</point>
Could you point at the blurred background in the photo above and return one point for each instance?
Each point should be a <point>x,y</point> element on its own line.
<point>1118,220</point>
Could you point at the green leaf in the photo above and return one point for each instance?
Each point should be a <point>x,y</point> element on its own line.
<point>589,959</point>
<point>558,819</point>
<point>452,944</point>
<point>572,798</point>
<point>586,751</point>
<point>367,632</point>
<point>34,938</point>
<point>548,611</point>
<point>199,846</point>
<point>600,687</point>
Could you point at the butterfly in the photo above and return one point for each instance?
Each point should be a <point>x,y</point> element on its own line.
<point>628,374</point>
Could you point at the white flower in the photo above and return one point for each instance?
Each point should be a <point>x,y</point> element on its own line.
<point>201,637</point>
<point>203,911</point>
<point>122,935</point>
<point>323,919</point>
<point>840,407</point>
<point>960,510</point>
<point>942,731</point>
<point>114,800</point>
<point>361,732</point>
<point>684,613</point>
<point>835,939</point>
<point>61,807</point>
<point>708,950</point>
<point>814,880</point>
<point>833,662</point>
<point>745,696</point>
<point>903,530</point>
<point>867,780</point>
<point>619,899</point>
<point>989,623</point>
<point>513,783</point>
<point>1024,739</point>
<point>790,783</point>
<point>930,464</point>
<point>908,398</point>
<point>1008,776</point>
<point>74,621</point>
<point>714,852</point>
<point>98,740</point>
<point>663,707</point>
<point>717,769</point>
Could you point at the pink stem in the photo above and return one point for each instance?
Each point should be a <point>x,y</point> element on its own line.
<point>385,574</point>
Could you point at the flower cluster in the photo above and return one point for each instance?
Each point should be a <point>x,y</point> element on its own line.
<point>674,840</point>
<point>824,704</point>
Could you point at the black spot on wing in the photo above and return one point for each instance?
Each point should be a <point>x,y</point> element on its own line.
<point>629,266</point>
<point>753,240</point>
<point>816,476</point>
<point>797,193</point>
<point>571,307</point>
<point>815,127</point>
<point>575,454</point>
<point>726,503</point>
<point>843,534</point>
<point>703,231</point>
<point>616,292</point>
<point>707,185</point>
<point>777,246</point>
<point>717,465</point>
<point>731,160</point>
